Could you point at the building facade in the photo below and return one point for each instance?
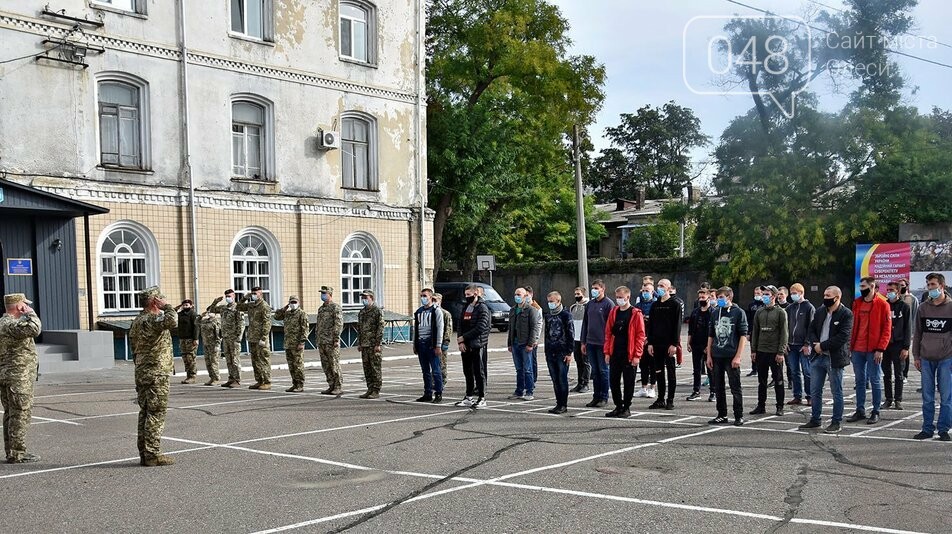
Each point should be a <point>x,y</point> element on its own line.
<point>235,143</point>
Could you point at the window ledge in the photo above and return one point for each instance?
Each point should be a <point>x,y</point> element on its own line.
<point>110,9</point>
<point>353,61</point>
<point>128,170</point>
<point>360,189</point>
<point>243,180</point>
<point>119,314</point>
<point>250,39</point>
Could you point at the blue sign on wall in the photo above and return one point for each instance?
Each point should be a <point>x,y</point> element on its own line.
<point>20,267</point>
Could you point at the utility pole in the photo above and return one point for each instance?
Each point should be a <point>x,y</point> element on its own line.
<point>580,206</point>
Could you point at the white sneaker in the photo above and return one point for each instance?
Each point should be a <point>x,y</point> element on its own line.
<point>480,403</point>
<point>642,393</point>
<point>651,393</point>
<point>528,397</point>
<point>466,402</point>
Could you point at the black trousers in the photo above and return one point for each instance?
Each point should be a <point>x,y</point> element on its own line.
<point>474,369</point>
<point>893,367</point>
<point>664,369</point>
<point>584,367</point>
<point>647,368</point>
<point>699,360</point>
<point>618,368</point>
<point>722,368</point>
<point>765,362</point>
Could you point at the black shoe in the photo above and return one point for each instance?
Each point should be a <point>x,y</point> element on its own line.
<point>809,425</point>
<point>779,412</point>
<point>758,411</point>
<point>923,435</point>
<point>657,405</point>
<point>591,404</point>
<point>834,428</point>
<point>558,410</point>
<point>753,372</point>
<point>887,404</point>
<point>897,405</point>
<point>601,403</point>
<point>576,389</point>
<point>771,384</point>
<point>425,398</point>
<point>873,418</point>
<point>719,420</point>
<point>583,390</point>
<point>438,398</point>
<point>669,405</point>
<point>693,396</point>
<point>858,416</point>
<point>739,422</point>
<point>944,436</point>
<point>626,413</point>
<point>613,413</point>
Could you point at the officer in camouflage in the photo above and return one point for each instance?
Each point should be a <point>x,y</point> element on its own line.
<point>259,328</point>
<point>447,333</point>
<point>296,330</point>
<point>330,323</point>
<point>370,339</point>
<point>189,330</point>
<point>232,328</point>
<point>18,326</point>
<point>211,341</point>
<point>151,338</point>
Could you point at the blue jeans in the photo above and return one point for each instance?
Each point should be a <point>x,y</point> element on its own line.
<point>559,373</point>
<point>936,374</point>
<point>535,366</point>
<point>865,367</point>
<point>522,359</point>
<point>596,357</point>
<point>798,363</point>
<point>432,371</point>
<point>820,368</point>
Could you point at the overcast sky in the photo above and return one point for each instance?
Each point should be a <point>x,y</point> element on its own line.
<point>643,45</point>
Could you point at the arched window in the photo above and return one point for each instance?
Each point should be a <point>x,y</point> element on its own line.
<point>358,39</point>
<point>128,263</point>
<point>123,121</point>
<point>359,152</point>
<point>255,261</point>
<point>360,261</point>
<point>251,138</point>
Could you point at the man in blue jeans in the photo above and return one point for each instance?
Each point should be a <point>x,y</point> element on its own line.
<point>829,337</point>
<point>593,342</point>
<point>932,347</point>
<point>872,326</point>
<point>427,344</point>
<point>800,314</point>
<point>525,328</point>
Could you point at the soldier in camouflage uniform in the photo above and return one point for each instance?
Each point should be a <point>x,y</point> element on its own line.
<point>232,328</point>
<point>330,323</point>
<point>189,330</point>
<point>447,333</point>
<point>296,330</point>
<point>18,326</point>
<point>370,338</point>
<point>259,328</point>
<point>211,341</point>
<point>151,337</point>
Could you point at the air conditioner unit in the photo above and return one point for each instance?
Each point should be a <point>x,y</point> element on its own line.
<point>329,140</point>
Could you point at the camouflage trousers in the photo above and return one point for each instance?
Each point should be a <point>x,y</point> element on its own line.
<point>212,353</point>
<point>187,348</point>
<point>17,399</point>
<point>445,347</point>
<point>153,398</point>
<point>372,372</point>
<point>330,363</point>
<point>260,361</point>
<point>232,351</point>
<point>295,359</point>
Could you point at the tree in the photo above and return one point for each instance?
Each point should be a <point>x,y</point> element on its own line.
<point>650,149</point>
<point>503,94</point>
<point>659,240</point>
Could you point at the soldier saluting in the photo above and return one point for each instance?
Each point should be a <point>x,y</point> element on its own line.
<point>18,326</point>
<point>259,328</point>
<point>232,328</point>
<point>296,329</point>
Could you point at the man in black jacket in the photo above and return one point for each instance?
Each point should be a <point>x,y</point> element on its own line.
<point>189,328</point>
<point>664,336</point>
<point>897,352</point>
<point>473,340</point>
<point>829,337</point>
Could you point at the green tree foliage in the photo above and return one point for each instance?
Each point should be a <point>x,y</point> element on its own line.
<point>660,240</point>
<point>503,95</point>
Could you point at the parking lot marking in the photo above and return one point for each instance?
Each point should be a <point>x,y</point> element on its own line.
<point>93,464</point>
<point>51,420</point>
<point>887,425</point>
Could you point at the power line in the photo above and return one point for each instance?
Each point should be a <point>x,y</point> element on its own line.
<point>936,41</point>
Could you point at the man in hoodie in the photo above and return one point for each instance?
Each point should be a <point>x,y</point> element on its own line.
<point>581,361</point>
<point>768,346</point>
<point>872,325</point>
<point>829,338</point>
<point>645,302</point>
<point>624,345</point>
<point>897,353</point>
<point>799,316</point>
<point>593,342</point>
<point>525,328</point>
<point>728,333</point>
<point>427,342</point>
<point>664,336</point>
<point>932,347</point>
<point>559,343</point>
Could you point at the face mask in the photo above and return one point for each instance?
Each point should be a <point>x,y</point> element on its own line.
<point>660,292</point>
<point>891,295</point>
<point>934,293</point>
<point>553,305</point>
<point>829,302</point>
<point>323,297</point>
<point>765,299</point>
<point>186,308</point>
<point>424,301</point>
<point>254,298</point>
<point>903,290</point>
<point>229,300</point>
<point>621,302</point>
<point>293,306</point>
<point>518,299</point>
<point>721,302</point>
<point>594,293</point>
<point>365,302</point>
<point>702,303</point>
<point>578,298</point>
<point>645,295</point>
<point>795,298</point>
<point>864,292</point>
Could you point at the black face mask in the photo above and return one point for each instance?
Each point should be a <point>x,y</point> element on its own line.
<point>903,290</point>
<point>829,302</point>
<point>471,299</point>
<point>578,298</point>
<point>865,292</point>
<point>702,303</point>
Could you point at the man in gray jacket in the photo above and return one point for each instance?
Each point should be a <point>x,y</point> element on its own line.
<point>932,348</point>
<point>525,328</point>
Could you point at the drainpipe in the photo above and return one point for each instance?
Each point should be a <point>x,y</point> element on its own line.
<point>418,137</point>
<point>186,144</point>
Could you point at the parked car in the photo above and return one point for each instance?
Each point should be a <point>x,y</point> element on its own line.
<point>454,301</point>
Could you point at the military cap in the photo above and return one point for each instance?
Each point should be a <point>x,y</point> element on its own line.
<point>15,298</point>
<point>327,289</point>
<point>293,298</point>
<point>187,301</point>
<point>367,293</point>
<point>229,292</point>
<point>256,288</point>
<point>151,293</point>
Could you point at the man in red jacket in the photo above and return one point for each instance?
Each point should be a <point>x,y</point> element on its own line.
<point>872,326</point>
<point>624,345</point>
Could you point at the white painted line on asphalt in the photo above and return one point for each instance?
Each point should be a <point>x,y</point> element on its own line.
<point>887,425</point>
<point>93,464</point>
<point>323,519</point>
<point>684,419</point>
<point>83,393</point>
<point>51,420</point>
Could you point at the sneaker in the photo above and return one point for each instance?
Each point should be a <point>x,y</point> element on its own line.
<point>753,372</point>
<point>669,405</point>
<point>809,425</point>
<point>583,390</point>
<point>438,398</point>
<point>719,421</point>
<point>923,435</point>
<point>834,428</point>
<point>189,380</point>
<point>265,387</point>
<point>294,389</point>
<point>465,403</point>
<point>711,398</point>
<point>641,393</point>
<point>158,461</point>
<point>626,413</point>
<point>27,458</point>
<point>651,394</point>
<point>613,413</point>
<point>886,404</point>
<point>779,412</point>
<point>528,397</point>
<point>425,398</point>
<point>479,404</point>
<point>944,436</point>
<point>794,402</point>
<point>693,396</point>
<point>758,411</point>
<point>873,418</point>
<point>591,404</point>
<point>897,405</point>
<point>576,389</point>
<point>858,416</point>
<point>657,405</point>
<point>739,422</point>
<point>601,404</point>
<point>212,383</point>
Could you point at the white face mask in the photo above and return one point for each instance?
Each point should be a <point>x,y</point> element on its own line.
<point>293,305</point>
<point>621,302</point>
<point>254,298</point>
<point>229,300</point>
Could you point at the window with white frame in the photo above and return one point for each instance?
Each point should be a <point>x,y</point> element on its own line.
<point>251,265</point>
<point>125,256</point>
<point>359,153</point>
<point>359,267</point>
<point>132,6</point>
<point>252,18</point>
<point>248,131</point>
<point>120,125</point>
<point>358,31</point>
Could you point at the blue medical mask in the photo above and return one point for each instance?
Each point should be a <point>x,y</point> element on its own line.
<point>553,305</point>
<point>765,299</point>
<point>934,293</point>
<point>229,300</point>
<point>891,295</point>
<point>795,297</point>
<point>594,293</point>
<point>646,295</point>
<point>365,302</point>
<point>518,299</point>
<point>323,297</point>
<point>424,300</point>
<point>660,292</point>
<point>721,302</point>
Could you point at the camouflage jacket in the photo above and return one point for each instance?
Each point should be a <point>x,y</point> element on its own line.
<point>296,326</point>
<point>17,349</point>
<point>211,330</point>
<point>151,338</point>
<point>447,326</point>
<point>259,319</point>
<point>330,323</point>
<point>232,320</point>
<point>370,327</point>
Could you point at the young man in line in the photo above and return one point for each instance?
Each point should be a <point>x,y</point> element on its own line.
<point>913,303</point>
<point>829,339</point>
<point>645,302</point>
<point>473,340</point>
<point>624,345</point>
<point>664,336</point>
<point>427,342</point>
<point>751,310</point>
<point>699,325</point>
<point>872,325</point>
<point>768,345</point>
<point>800,314</point>
<point>581,361</point>
<point>932,346</point>
<point>559,343</point>
<point>593,342</point>
<point>897,352</point>
<point>525,328</point>
<point>728,334</point>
